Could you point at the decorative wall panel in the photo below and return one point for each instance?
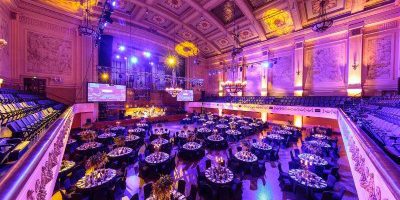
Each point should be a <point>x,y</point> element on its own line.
<point>282,72</point>
<point>325,64</point>
<point>48,54</point>
<point>5,52</point>
<point>253,78</point>
<point>378,56</point>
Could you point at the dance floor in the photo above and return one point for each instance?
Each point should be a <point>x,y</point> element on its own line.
<point>264,188</point>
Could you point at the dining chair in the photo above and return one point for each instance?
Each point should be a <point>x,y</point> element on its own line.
<point>147,190</point>
<point>181,186</point>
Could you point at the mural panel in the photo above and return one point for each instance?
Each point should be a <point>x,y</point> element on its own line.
<point>326,64</point>
<point>282,72</point>
<point>378,57</point>
<point>48,55</point>
<point>4,53</point>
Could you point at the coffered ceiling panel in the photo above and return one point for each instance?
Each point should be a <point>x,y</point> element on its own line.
<point>255,4</point>
<point>227,11</point>
<point>178,7</point>
<point>208,23</point>
<point>158,20</point>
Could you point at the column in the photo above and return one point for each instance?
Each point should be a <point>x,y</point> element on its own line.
<point>298,121</point>
<point>264,116</point>
<point>298,67</point>
<point>220,112</point>
<point>354,63</point>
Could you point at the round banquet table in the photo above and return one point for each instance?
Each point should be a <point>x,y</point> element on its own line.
<point>275,137</point>
<point>317,147</point>
<point>246,157</point>
<point>307,179</point>
<point>97,179</point>
<point>106,137</point>
<point>66,166</point>
<point>203,132</point>
<point>118,129</point>
<point>312,159</point>
<point>191,151</point>
<point>157,158</point>
<point>223,121</point>
<point>162,143</point>
<point>89,147</point>
<point>322,137</point>
<point>175,196</point>
<point>247,130</point>
<point>201,121</point>
<point>234,135</point>
<point>218,175</point>
<point>133,140</point>
<point>260,149</point>
<point>120,153</point>
<point>216,142</point>
<point>142,125</point>
<point>222,127</point>
<point>209,123</point>
<point>284,133</point>
<point>137,131</point>
<point>186,120</point>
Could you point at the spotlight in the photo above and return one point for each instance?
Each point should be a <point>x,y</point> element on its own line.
<point>266,64</point>
<point>125,58</point>
<point>134,59</point>
<point>152,63</point>
<point>117,56</point>
<point>147,54</point>
<point>121,48</point>
<point>107,17</point>
<point>114,3</point>
<point>104,76</point>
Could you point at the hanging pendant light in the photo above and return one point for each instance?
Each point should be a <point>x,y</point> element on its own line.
<point>86,28</point>
<point>324,23</point>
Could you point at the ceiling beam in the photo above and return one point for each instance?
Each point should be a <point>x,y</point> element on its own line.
<point>294,11</point>
<point>165,14</point>
<point>211,18</point>
<point>245,8</point>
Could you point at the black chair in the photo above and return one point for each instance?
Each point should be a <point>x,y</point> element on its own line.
<point>330,182</point>
<point>135,197</point>
<point>193,192</point>
<point>147,190</point>
<point>208,163</point>
<point>282,174</point>
<point>181,186</point>
<point>206,191</point>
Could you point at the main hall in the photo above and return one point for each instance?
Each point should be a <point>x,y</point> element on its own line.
<point>199,99</point>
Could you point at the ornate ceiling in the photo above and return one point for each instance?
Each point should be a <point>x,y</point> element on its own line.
<point>208,23</point>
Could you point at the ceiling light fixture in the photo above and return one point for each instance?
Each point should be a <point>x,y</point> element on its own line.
<point>324,23</point>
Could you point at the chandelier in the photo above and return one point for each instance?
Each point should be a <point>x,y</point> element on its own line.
<point>174,90</point>
<point>324,23</point>
<point>237,86</point>
<point>234,87</point>
<point>86,28</point>
<point>3,43</point>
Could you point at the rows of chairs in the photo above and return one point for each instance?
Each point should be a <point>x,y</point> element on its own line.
<point>379,117</point>
<point>22,117</point>
<point>319,101</point>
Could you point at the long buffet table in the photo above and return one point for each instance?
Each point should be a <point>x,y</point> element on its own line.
<point>375,175</point>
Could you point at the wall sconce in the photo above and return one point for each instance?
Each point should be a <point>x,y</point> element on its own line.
<point>3,43</point>
<point>1,82</point>
<point>355,66</point>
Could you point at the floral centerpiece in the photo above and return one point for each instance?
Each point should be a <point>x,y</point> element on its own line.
<point>97,161</point>
<point>162,188</point>
<point>119,141</point>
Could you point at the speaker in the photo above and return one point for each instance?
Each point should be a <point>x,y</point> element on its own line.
<point>105,50</point>
<point>398,86</point>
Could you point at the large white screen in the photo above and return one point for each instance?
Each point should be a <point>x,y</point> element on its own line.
<point>98,92</point>
<point>185,95</point>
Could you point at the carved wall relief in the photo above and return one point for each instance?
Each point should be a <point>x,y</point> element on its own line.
<point>378,57</point>
<point>48,55</point>
<point>326,64</point>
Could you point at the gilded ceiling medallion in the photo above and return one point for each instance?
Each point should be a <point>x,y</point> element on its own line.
<point>176,4</point>
<point>187,35</point>
<point>186,49</point>
<point>70,5</point>
<point>279,22</point>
